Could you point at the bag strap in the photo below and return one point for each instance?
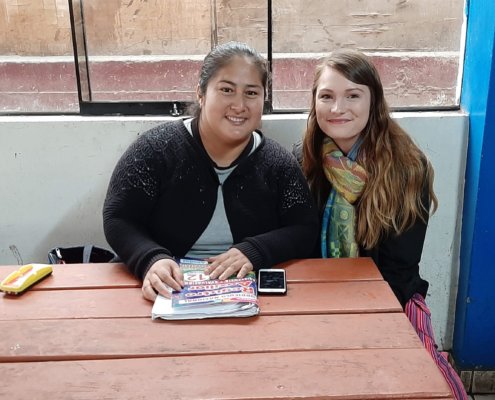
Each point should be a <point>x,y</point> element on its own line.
<point>87,253</point>
<point>54,256</point>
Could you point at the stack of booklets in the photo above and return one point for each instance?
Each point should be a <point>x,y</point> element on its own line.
<point>202,297</point>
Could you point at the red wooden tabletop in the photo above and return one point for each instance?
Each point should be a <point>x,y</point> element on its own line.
<point>34,340</point>
<point>86,333</point>
<point>116,275</point>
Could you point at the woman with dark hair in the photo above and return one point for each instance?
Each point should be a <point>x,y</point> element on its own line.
<point>372,185</point>
<point>211,187</point>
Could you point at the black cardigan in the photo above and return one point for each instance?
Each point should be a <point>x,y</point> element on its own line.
<point>163,192</point>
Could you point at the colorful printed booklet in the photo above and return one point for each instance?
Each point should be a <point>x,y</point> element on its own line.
<point>203,297</point>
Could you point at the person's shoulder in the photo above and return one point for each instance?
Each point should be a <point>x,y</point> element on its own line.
<point>165,130</point>
<point>160,138</point>
<point>275,149</point>
<point>278,159</point>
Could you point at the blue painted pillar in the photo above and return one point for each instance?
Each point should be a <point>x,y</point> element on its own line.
<point>474,333</point>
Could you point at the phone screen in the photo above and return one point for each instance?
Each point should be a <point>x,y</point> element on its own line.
<point>272,281</point>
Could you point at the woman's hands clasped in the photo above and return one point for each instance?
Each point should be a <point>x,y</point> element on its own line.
<point>232,262</point>
<point>163,277</point>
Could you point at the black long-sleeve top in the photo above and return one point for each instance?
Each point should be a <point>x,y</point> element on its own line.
<point>163,192</point>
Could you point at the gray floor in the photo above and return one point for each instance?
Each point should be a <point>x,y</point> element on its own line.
<point>482,397</point>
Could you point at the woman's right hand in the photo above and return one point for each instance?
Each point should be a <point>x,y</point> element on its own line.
<point>163,277</point>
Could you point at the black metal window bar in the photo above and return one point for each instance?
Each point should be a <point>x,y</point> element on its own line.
<point>88,106</point>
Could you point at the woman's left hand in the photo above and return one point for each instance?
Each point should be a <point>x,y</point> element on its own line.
<point>233,261</point>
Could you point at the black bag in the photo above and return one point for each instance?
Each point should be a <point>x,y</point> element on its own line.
<point>79,254</point>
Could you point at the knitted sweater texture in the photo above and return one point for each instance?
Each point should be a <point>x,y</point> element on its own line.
<point>163,192</point>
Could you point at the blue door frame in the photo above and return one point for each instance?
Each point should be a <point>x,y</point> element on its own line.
<point>474,333</point>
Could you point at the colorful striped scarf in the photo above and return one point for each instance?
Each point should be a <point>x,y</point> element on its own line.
<point>348,179</point>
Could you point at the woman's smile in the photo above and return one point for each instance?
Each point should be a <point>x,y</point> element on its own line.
<point>236,120</point>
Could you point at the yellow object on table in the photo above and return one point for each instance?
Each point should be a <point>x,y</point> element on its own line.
<point>26,276</point>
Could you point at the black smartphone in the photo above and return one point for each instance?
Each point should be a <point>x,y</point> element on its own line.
<point>272,281</point>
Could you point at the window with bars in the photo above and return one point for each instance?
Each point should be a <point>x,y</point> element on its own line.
<point>143,56</point>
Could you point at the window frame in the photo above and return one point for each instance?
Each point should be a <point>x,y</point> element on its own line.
<point>87,106</point>
<point>90,107</point>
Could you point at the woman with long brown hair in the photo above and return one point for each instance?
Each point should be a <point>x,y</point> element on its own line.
<point>372,184</point>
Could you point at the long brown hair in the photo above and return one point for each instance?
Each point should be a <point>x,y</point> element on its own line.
<point>397,169</point>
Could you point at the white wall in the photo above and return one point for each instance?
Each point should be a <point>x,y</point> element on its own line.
<point>54,173</point>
